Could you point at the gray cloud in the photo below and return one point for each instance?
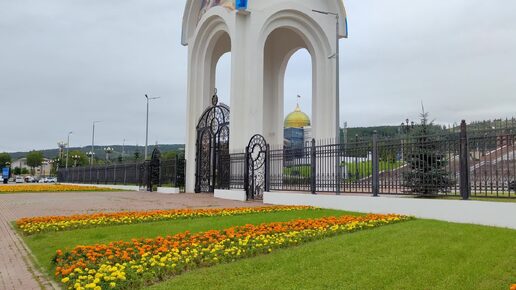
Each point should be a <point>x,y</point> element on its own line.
<point>64,64</point>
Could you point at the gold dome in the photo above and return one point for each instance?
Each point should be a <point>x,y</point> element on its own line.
<point>297,119</point>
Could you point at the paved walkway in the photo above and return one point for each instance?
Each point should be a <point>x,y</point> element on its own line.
<point>16,270</point>
<point>497,214</point>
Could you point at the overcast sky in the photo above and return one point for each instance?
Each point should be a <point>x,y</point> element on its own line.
<point>66,63</point>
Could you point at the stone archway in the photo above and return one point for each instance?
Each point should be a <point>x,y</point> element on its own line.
<point>212,42</point>
<point>256,83</point>
<point>285,33</point>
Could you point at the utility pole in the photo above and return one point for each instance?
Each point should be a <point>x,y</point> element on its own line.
<point>147,125</point>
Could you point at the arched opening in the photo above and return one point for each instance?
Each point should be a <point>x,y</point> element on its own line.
<point>288,72</point>
<point>298,99</point>
<point>219,59</point>
<point>223,78</point>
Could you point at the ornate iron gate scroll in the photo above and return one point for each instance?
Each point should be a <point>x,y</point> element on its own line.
<point>257,167</point>
<point>212,148</point>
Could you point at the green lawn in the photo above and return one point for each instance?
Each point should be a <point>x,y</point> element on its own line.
<point>418,254</point>
<point>365,168</point>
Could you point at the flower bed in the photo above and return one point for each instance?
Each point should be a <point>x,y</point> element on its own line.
<point>48,188</point>
<point>131,265</point>
<point>35,225</point>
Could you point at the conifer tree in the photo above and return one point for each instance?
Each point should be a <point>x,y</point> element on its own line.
<point>427,174</point>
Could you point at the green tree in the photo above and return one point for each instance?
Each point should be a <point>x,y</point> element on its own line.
<point>427,173</point>
<point>24,171</point>
<point>34,159</point>
<point>17,171</point>
<point>170,155</point>
<point>82,159</point>
<point>4,159</point>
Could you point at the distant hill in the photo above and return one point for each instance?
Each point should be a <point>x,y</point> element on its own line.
<point>493,124</point>
<point>384,131</point>
<point>99,150</point>
<point>362,132</point>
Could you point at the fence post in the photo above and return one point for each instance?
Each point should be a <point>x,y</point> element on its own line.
<point>176,171</point>
<point>137,174</point>
<point>125,174</point>
<point>357,173</point>
<point>338,168</point>
<point>375,166</point>
<point>246,173</point>
<point>160,168</point>
<point>267,168</point>
<point>148,169</point>
<point>313,165</point>
<point>465,181</point>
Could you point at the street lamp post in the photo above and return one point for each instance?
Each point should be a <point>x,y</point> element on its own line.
<point>61,145</point>
<point>56,162</point>
<point>405,129</point>
<point>108,151</point>
<point>68,148</point>
<point>93,143</point>
<point>76,158</point>
<point>337,92</point>
<point>337,67</point>
<point>147,124</point>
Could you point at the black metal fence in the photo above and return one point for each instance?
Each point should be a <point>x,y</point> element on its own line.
<point>462,163</point>
<point>171,174</point>
<point>475,162</point>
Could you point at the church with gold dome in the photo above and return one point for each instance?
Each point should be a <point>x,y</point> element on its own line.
<point>297,128</point>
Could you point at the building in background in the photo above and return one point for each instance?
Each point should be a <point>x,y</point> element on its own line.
<point>44,170</point>
<point>297,128</point>
<point>297,133</point>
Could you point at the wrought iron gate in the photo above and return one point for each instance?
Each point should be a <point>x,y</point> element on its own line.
<point>154,169</point>
<point>212,166</point>
<point>257,168</point>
